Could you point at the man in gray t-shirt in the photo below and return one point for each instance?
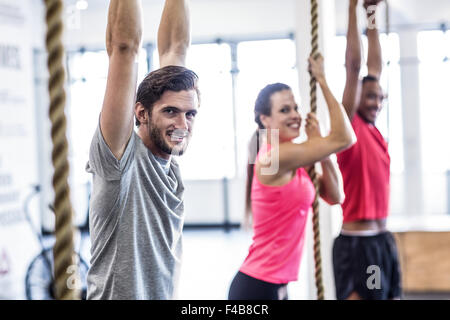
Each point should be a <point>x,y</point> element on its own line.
<point>136,216</point>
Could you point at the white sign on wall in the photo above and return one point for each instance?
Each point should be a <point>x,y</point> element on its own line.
<point>18,167</point>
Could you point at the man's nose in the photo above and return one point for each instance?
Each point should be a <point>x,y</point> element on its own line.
<point>380,103</point>
<point>182,122</point>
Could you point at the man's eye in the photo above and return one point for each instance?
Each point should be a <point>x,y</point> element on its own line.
<point>191,115</point>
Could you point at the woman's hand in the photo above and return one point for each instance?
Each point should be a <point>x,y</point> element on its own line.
<point>312,127</point>
<point>316,68</point>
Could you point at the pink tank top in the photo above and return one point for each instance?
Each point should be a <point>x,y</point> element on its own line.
<point>279,219</point>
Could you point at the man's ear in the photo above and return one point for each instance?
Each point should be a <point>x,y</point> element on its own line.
<point>141,113</point>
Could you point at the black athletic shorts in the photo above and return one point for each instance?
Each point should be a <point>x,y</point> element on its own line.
<point>367,265</point>
<point>244,287</point>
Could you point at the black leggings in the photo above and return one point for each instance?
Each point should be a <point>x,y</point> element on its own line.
<point>244,287</point>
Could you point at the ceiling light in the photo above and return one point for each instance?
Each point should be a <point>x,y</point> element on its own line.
<point>82,4</point>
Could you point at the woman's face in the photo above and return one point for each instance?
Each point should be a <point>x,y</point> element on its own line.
<point>284,116</point>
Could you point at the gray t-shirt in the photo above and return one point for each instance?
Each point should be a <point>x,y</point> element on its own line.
<point>136,219</point>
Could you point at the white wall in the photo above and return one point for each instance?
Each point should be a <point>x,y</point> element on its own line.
<point>18,151</point>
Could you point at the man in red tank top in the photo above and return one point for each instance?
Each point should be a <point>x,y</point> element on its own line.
<point>364,255</point>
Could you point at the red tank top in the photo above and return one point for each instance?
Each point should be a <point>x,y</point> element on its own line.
<point>365,171</point>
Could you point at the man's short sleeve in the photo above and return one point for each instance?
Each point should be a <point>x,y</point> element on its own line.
<point>103,162</point>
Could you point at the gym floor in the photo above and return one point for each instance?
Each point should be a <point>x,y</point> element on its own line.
<point>210,261</point>
<point>211,258</point>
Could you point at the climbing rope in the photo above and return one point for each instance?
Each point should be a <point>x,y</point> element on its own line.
<point>312,171</point>
<point>63,249</point>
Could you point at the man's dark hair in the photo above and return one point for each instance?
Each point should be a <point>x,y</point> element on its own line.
<point>170,78</point>
<point>369,78</point>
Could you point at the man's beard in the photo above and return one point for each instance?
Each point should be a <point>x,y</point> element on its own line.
<point>157,138</point>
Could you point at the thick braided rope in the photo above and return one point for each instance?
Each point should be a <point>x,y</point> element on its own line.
<point>312,171</point>
<point>63,248</point>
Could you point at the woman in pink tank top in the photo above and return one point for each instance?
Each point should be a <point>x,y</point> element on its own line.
<point>279,190</point>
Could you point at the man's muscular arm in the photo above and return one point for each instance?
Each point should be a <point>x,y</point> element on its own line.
<point>123,41</point>
<point>174,34</point>
<point>374,58</point>
<point>350,99</point>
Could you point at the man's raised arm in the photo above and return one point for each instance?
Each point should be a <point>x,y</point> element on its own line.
<point>174,35</point>
<point>123,41</point>
<point>374,57</point>
<point>352,62</point>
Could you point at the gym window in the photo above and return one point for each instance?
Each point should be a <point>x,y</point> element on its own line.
<point>434,68</point>
<point>87,72</point>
